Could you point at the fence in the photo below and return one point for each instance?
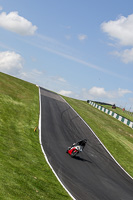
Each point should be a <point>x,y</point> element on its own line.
<point>113,114</point>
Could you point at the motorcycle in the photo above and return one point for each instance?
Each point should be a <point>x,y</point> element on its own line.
<point>76,148</point>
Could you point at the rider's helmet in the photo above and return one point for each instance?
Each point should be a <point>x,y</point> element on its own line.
<point>83,142</point>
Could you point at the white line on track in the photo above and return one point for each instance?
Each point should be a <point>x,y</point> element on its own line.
<point>45,153</point>
<point>99,140</point>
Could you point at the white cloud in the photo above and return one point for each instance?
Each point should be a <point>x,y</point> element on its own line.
<point>122,92</point>
<point>15,23</point>
<point>41,78</point>
<point>10,62</point>
<point>58,79</point>
<point>51,45</point>
<point>82,37</point>
<point>68,37</point>
<point>65,93</point>
<point>100,93</point>
<point>37,72</point>
<point>34,76</point>
<point>126,56</point>
<point>97,92</point>
<point>61,79</point>
<point>120,29</point>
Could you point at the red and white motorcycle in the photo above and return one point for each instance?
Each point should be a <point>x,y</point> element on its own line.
<point>76,148</point>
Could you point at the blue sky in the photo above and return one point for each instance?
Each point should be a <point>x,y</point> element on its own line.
<point>81,49</point>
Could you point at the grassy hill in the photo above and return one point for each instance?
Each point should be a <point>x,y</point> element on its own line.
<point>125,113</point>
<point>116,136</point>
<point>24,173</point>
<point>23,170</point>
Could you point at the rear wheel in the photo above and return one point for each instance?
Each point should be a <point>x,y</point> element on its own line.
<point>68,149</point>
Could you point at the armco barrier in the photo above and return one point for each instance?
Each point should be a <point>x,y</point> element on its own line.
<point>113,114</point>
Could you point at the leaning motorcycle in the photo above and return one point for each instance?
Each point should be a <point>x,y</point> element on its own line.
<point>76,148</point>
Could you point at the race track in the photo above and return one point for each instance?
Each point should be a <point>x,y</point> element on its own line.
<point>93,175</point>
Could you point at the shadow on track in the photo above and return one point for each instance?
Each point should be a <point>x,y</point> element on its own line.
<point>81,159</point>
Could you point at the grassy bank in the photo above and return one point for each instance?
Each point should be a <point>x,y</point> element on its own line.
<point>23,170</point>
<point>24,173</point>
<point>126,114</point>
<point>117,137</point>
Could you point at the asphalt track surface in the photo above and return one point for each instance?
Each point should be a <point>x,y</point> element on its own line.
<point>93,175</point>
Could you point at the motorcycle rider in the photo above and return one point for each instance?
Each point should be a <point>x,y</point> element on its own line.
<point>81,143</point>
<point>78,145</point>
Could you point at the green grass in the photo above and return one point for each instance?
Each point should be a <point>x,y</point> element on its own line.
<point>116,136</point>
<point>24,173</point>
<point>126,114</point>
